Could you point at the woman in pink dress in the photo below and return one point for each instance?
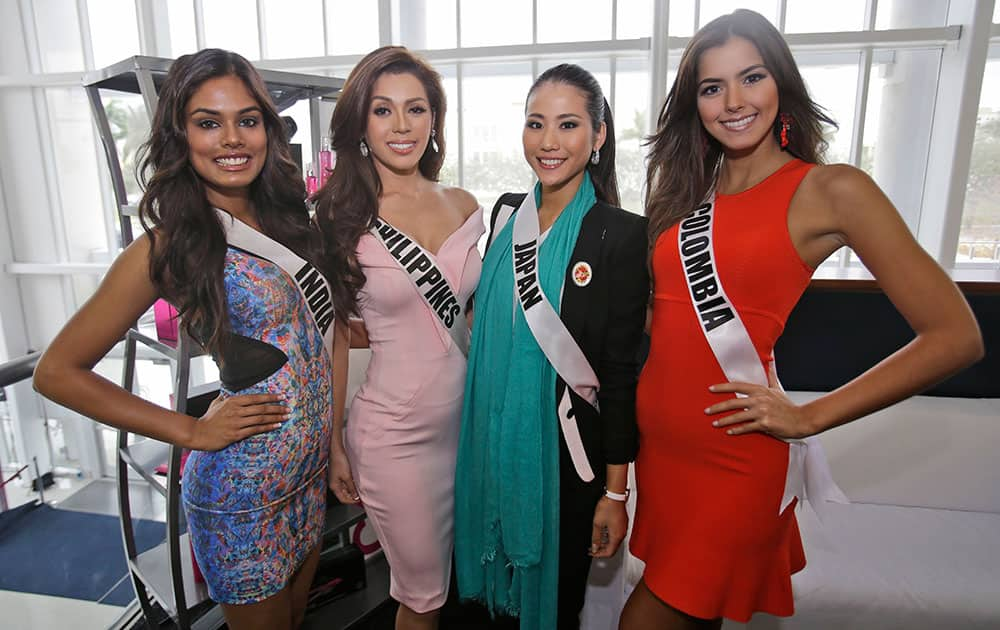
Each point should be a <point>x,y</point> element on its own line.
<point>407,246</point>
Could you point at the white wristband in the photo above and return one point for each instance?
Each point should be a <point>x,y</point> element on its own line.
<point>615,496</point>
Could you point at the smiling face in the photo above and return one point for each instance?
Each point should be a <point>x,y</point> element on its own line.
<point>399,123</point>
<point>558,135</point>
<point>737,97</point>
<point>227,140</point>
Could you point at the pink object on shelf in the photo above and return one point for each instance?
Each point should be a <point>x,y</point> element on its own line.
<point>166,320</point>
<point>325,161</point>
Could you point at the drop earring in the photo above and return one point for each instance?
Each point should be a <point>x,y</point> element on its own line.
<point>434,144</point>
<point>595,158</point>
<point>363,148</point>
<point>786,124</point>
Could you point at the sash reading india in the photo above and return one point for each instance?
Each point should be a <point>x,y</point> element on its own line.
<point>428,279</point>
<point>550,333</point>
<point>308,280</point>
<point>808,472</point>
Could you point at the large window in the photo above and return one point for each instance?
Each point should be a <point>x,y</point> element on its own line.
<point>979,241</point>
<point>877,67</point>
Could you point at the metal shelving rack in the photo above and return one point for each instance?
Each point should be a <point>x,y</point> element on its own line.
<point>165,572</point>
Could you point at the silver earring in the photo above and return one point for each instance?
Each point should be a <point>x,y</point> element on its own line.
<point>364,148</point>
<point>434,144</point>
<point>595,158</point>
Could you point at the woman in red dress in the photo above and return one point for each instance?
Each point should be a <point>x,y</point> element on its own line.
<point>713,521</point>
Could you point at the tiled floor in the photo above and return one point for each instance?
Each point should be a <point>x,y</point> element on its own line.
<point>26,611</point>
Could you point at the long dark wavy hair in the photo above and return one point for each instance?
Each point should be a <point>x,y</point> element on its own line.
<point>684,159</point>
<point>347,205</point>
<point>187,242</point>
<point>602,174</point>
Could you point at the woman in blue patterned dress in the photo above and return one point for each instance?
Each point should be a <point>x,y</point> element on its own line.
<point>229,241</point>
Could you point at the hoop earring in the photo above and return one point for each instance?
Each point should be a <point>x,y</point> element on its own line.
<point>434,144</point>
<point>595,158</point>
<point>363,148</point>
<point>786,124</point>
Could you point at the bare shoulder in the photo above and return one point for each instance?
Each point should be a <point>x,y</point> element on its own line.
<point>839,183</point>
<point>460,199</point>
<point>140,250</point>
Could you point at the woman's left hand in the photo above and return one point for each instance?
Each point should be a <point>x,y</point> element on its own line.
<point>763,410</point>
<point>610,525</point>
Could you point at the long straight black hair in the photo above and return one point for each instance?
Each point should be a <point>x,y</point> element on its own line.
<point>602,174</point>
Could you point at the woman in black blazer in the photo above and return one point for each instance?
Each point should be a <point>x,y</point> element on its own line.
<point>542,465</point>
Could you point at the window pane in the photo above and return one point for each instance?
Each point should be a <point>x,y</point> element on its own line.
<point>631,112</point>
<point>114,31</point>
<point>682,19</point>
<point>996,14</point>
<point>425,24</point>
<point>832,83</point>
<point>495,23</point>
<point>232,25</point>
<point>635,19</point>
<point>711,9</point>
<point>493,97</point>
<point>58,27</point>
<point>351,27</point>
<point>78,176</point>
<point>898,122</point>
<point>910,14</point>
<point>449,170</point>
<point>293,28</point>
<point>183,39</point>
<point>979,237</point>
<point>804,16</point>
<point>573,20</point>
<point>130,127</point>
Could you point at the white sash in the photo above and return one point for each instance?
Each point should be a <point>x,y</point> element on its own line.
<point>808,472</point>
<point>429,281</point>
<point>549,331</point>
<point>309,281</point>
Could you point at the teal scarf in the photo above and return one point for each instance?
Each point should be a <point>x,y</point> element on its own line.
<point>507,477</point>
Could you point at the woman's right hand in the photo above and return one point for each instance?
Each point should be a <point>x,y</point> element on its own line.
<point>236,418</point>
<point>340,479</point>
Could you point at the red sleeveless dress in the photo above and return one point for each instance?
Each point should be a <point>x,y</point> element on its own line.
<point>707,522</point>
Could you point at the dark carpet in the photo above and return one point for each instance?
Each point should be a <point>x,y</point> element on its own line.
<point>63,553</point>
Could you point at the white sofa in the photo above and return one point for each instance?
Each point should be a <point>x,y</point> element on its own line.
<point>919,546</point>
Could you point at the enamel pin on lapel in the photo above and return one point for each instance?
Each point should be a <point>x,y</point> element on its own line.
<point>582,273</point>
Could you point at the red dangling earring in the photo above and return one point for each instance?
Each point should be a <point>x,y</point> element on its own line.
<point>786,124</point>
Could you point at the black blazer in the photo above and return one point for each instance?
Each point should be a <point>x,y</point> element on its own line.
<point>606,318</point>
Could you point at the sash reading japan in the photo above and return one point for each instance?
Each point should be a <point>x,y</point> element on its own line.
<point>549,331</point>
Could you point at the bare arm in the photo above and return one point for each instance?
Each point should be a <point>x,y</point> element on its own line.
<point>65,372</point>
<point>610,516</point>
<point>947,335</point>
<point>358,333</point>
<point>340,480</point>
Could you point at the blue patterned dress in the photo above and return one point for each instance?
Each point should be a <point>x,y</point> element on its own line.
<point>255,508</point>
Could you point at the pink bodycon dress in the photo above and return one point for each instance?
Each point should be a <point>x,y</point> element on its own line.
<point>402,427</point>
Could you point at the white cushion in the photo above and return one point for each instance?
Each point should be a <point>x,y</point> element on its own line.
<point>925,451</point>
<point>886,567</point>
